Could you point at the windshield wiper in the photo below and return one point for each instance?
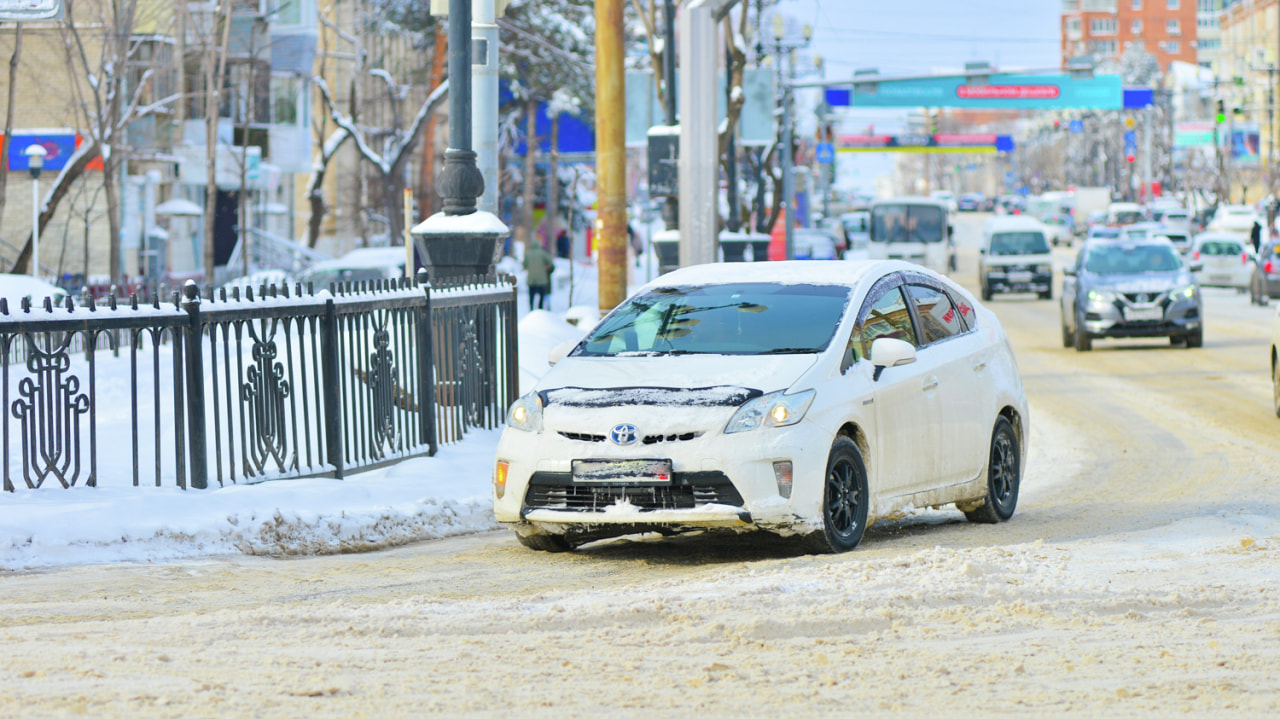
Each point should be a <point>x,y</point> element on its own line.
<point>792,351</point>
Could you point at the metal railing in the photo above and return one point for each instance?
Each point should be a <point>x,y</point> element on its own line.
<point>284,382</point>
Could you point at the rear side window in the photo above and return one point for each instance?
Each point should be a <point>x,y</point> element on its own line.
<point>1219,248</point>
<point>939,319</point>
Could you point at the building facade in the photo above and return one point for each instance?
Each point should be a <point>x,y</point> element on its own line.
<point>1104,29</point>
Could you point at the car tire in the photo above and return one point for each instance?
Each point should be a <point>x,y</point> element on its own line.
<point>1046,295</point>
<point>1068,338</point>
<point>845,500</point>
<point>986,293</point>
<point>1195,339</point>
<point>1004,477</point>
<point>1083,341</point>
<point>545,542</point>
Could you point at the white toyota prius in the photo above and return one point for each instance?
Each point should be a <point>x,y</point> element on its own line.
<point>801,398</point>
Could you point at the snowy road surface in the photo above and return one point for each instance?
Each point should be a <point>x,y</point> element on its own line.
<point>1139,577</point>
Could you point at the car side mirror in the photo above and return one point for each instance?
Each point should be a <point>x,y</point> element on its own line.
<point>1069,271</point>
<point>951,230</point>
<point>1197,266</point>
<point>558,352</point>
<point>891,352</point>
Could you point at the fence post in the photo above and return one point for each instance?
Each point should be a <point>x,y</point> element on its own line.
<point>513,351</point>
<point>195,389</point>
<point>426,368</point>
<point>333,418</point>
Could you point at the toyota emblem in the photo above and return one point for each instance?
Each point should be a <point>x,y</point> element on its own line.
<point>624,434</point>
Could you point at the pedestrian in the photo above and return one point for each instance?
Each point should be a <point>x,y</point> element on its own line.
<point>1255,236</point>
<point>538,267</point>
<point>563,246</point>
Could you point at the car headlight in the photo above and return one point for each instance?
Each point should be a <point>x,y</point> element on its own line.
<point>526,413</point>
<point>771,410</point>
<point>1189,292</point>
<point>1102,297</point>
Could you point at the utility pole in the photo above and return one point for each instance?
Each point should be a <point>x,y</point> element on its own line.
<point>484,83</point>
<point>731,149</point>
<point>611,155</point>
<point>671,207</point>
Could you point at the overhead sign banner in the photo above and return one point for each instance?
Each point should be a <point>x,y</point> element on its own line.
<point>1193,134</point>
<point>956,143</point>
<point>1000,92</point>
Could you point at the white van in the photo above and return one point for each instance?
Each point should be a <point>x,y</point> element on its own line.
<point>1015,257</point>
<point>915,229</point>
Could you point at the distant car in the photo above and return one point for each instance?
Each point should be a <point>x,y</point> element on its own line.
<point>1234,218</point>
<point>970,202</point>
<point>1227,261</point>
<point>1103,232</point>
<point>1131,289</point>
<point>1264,285</point>
<point>15,288</point>
<point>783,397</point>
<point>367,263</point>
<point>813,244</point>
<point>1139,231</point>
<point>1058,229</point>
<point>1173,218</point>
<point>1125,213</point>
<point>1015,257</point>
<point>1177,236</point>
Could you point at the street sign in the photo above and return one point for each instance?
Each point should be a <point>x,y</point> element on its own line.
<point>24,10</point>
<point>1076,127</point>
<point>1130,142</point>
<point>1002,92</point>
<point>664,161</point>
<point>1136,98</point>
<point>825,152</point>
<point>975,143</point>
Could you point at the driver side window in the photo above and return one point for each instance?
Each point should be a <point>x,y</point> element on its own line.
<point>889,317</point>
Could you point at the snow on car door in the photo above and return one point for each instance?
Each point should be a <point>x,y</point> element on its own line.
<point>906,402</point>
<point>960,366</point>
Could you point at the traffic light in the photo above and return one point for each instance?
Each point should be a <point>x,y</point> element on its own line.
<point>1128,157</point>
<point>1221,115</point>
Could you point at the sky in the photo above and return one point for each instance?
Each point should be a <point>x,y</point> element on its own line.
<point>914,37</point>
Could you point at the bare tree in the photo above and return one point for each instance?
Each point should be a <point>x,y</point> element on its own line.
<point>8,115</point>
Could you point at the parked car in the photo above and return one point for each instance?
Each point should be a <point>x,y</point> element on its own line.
<point>970,202</point>
<point>367,263</point>
<point>1015,257</point>
<point>1227,261</point>
<point>814,244</point>
<point>1131,289</point>
<point>1264,286</point>
<point>775,397</point>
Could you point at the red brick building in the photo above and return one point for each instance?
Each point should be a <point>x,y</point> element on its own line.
<point>1104,28</point>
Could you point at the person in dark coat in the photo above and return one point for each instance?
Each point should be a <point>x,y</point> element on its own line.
<point>562,244</point>
<point>1255,236</point>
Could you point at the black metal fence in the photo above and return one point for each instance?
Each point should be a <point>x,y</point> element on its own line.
<point>281,383</point>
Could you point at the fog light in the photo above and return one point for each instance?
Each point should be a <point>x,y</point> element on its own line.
<point>782,473</point>
<point>500,478</point>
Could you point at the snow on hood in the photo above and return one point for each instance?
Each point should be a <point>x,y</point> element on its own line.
<point>766,373</point>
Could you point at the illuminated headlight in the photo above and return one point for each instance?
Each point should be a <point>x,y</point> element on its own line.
<point>1189,292</point>
<point>771,410</point>
<point>1102,297</point>
<point>526,413</point>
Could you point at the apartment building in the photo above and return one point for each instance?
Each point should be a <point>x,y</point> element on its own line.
<point>1105,28</point>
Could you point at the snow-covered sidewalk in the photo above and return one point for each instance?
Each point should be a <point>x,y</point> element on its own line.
<point>418,499</point>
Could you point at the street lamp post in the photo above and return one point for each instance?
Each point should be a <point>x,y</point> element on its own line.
<point>35,163</point>
<point>788,182</point>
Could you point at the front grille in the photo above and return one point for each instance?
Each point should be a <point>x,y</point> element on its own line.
<point>1151,298</point>
<point>582,437</point>
<point>557,490</point>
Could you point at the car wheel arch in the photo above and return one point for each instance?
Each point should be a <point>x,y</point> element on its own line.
<point>855,433</point>
<point>1015,418</point>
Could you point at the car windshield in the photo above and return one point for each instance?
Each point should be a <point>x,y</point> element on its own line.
<point>907,223</point>
<point>1019,243</point>
<point>735,319</point>
<point>1127,217</point>
<point>1106,233</point>
<point>1131,259</point>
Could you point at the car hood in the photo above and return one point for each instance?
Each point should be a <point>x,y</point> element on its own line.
<point>764,373</point>
<point>1148,282</point>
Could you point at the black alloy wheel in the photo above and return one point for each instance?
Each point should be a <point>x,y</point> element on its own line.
<point>1004,477</point>
<point>845,500</point>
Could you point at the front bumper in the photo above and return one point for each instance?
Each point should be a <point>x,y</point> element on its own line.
<point>718,480</point>
<point>1018,281</point>
<point>1177,316</point>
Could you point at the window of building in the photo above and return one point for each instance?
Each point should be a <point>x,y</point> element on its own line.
<point>1174,4</point>
<point>1173,27</point>
<point>1073,27</point>
<point>1099,6</point>
<point>1137,27</point>
<point>1102,47</point>
<point>1102,27</point>
<point>1137,4</point>
<point>1173,47</point>
<point>284,99</point>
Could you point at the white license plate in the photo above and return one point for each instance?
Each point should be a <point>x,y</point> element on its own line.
<point>622,470</point>
<point>1019,277</point>
<point>1143,314</point>
<point>1219,278</point>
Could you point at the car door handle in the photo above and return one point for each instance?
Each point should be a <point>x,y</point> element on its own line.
<point>930,384</point>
